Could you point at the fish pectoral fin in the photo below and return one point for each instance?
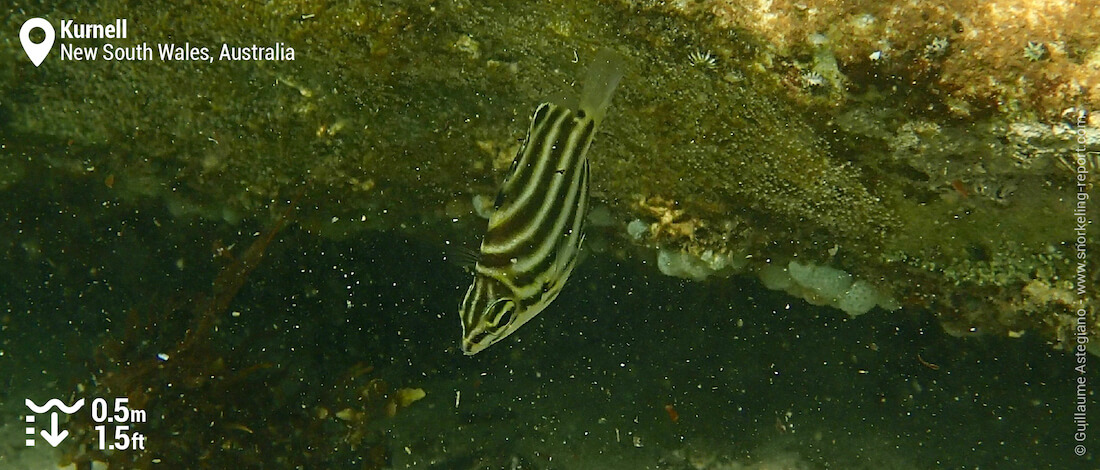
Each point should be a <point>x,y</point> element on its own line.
<point>581,253</point>
<point>462,256</point>
<point>565,264</point>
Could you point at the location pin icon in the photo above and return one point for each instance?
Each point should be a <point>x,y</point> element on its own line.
<point>37,52</point>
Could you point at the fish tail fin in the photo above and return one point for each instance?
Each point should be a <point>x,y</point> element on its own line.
<point>599,84</point>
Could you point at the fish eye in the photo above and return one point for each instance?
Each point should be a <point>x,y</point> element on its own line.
<point>506,315</point>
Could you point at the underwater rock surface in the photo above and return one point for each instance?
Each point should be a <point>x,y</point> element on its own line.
<point>927,151</point>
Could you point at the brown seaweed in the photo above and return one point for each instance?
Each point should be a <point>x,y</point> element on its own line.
<point>210,408</point>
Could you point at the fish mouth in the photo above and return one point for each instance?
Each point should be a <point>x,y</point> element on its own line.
<point>469,349</point>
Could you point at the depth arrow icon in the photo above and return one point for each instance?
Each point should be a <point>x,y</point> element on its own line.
<point>53,437</point>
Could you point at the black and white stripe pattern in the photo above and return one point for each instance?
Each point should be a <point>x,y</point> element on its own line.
<point>537,224</point>
<point>541,209</point>
<point>536,228</point>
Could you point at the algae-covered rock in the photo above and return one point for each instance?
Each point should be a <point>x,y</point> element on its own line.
<point>918,155</point>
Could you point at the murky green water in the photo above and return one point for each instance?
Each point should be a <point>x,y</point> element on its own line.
<point>244,264</point>
<point>629,369</point>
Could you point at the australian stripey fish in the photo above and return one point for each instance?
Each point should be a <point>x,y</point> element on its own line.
<point>537,223</point>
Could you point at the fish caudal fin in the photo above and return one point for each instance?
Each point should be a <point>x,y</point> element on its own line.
<point>599,84</point>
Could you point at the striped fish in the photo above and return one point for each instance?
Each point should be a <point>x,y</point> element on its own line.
<point>537,223</point>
